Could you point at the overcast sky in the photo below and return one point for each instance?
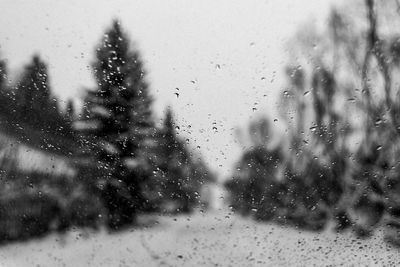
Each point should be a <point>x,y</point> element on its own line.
<point>225,56</point>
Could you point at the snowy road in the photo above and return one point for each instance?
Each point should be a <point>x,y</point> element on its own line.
<point>202,240</point>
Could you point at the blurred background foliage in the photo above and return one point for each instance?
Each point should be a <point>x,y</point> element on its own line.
<point>338,161</point>
<point>100,164</point>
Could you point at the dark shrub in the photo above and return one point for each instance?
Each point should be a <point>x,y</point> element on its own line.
<point>25,216</point>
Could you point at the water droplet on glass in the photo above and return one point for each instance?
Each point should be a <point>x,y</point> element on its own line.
<point>378,122</point>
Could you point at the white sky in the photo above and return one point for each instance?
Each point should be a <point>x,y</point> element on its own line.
<point>181,41</point>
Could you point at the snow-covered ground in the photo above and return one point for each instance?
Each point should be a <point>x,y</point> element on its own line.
<point>211,239</point>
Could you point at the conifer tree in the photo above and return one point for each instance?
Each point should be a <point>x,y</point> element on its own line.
<point>34,101</point>
<point>119,122</point>
<point>175,164</point>
<point>70,111</point>
<point>3,74</point>
<point>4,95</point>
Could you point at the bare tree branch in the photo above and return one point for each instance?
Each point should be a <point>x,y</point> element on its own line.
<point>374,48</point>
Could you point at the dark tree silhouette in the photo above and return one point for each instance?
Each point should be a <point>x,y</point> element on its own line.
<point>176,165</point>
<point>34,116</point>
<point>35,103</point>
<point>178,174</point>
<point>70,115</point>
<point>172,178</point>
<point>119,122</point>
<point>255,186</point>
<point>5,94</point>
<point>3,74</point>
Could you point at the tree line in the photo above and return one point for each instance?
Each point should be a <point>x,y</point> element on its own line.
<point>121,158</point>
<point>339,160</point>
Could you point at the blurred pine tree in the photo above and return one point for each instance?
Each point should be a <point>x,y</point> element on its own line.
<point>118,123</point>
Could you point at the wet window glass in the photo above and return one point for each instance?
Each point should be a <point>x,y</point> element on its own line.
<point>200,133</point>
